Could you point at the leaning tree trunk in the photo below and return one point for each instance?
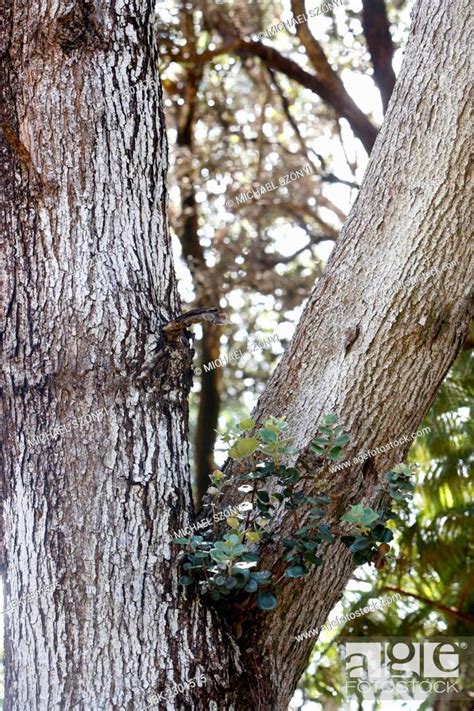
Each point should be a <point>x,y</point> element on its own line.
<point>381,328</point>
<point>96,618</point>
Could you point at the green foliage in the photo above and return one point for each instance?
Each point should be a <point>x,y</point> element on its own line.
<point>331,439</point>
<point>361,518</point>
<point>269,439</point>
<point>220,565</point>
<point>369,542</point>
<point>266,601</point>
<point>400,487</point>
<point>218,483</point>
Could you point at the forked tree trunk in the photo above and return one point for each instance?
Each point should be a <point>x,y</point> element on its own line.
<point>97,619</point>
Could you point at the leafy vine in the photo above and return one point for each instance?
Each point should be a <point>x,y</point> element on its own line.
<point>223,567</point>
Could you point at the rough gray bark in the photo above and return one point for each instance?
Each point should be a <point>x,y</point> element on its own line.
<point>88,288</point>
<point>97,620</point>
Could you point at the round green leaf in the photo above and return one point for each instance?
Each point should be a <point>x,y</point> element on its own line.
<point>251,586</point>
<point>296,571</point>
<point>266,601</point>
<point>243,448</point>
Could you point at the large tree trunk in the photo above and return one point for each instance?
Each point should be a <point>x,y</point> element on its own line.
<point>402,274</point>
<point>96,615</point>
<point>99,620</point>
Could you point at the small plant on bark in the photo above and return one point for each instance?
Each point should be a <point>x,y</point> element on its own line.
<point>222,565</point>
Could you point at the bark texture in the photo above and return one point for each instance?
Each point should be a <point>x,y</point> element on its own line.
<point>99,620</point>
<point>96,620</point>
<point>380,364</point>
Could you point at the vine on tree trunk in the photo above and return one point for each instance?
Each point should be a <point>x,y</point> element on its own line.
<point>222,567</point>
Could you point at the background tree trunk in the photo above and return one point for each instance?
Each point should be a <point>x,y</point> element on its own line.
<point>206,284</point>
<point>88,289</point>
<point>380,45</point>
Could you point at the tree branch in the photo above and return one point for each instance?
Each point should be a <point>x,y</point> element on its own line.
<point>294,209</point>
<point>327,86</point>
<point>326,176</point>
<point>189,318</point>
<point>379,42</point>
<point>452,611</point>
<point>268,261</point>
